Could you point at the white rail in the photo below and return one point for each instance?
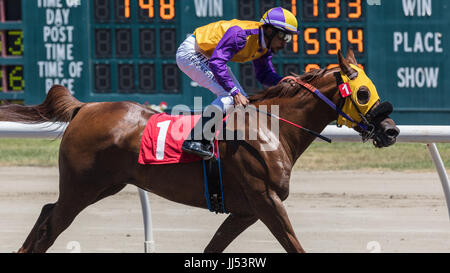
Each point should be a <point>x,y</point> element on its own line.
<point>20,130</point>
<point>429,135</point>
<point>408,134</point>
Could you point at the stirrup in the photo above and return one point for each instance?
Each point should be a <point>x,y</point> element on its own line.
<point>197,148</point>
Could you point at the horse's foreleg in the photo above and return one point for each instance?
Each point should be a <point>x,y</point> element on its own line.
<point>270,210</point>
<point>229,230</point>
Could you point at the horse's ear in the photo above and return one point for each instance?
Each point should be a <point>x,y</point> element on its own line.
<point>351,56</point>
<point>345,66</point>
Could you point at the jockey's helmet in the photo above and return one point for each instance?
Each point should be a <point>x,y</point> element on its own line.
<point>281,19</point>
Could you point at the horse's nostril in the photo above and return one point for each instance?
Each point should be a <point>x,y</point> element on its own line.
<point>392,132</point>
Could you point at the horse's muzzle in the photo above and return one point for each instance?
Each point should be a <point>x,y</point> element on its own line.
<point>386,131</point>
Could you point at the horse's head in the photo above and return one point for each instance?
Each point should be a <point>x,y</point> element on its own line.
<point>364,106</point>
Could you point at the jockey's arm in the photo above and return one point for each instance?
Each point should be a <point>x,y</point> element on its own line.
<point>265,72</point>
<point>231,43</point>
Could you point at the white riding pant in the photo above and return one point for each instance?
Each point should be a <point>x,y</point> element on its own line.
<point>194,63</point>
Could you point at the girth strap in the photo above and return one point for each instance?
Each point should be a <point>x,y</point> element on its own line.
<point>212,175</point>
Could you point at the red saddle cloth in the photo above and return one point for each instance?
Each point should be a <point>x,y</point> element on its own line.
<point>162,139</point>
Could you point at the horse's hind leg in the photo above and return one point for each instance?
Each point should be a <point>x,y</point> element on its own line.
<point>45,212</point>
<point>55,218</point>
<point>229,230</point>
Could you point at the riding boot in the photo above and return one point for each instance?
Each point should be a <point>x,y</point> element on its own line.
<point>202,147</point>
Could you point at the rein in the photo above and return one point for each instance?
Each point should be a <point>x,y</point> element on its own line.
<point>293,124</point>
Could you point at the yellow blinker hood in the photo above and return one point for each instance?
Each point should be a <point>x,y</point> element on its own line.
<point>349,107</point>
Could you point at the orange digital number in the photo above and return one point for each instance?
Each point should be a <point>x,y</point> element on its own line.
<point>336,40</point>
<point>295,44</point>
<point>310,8</point>
<point>358,40</point>
<point>357,5</point>
<point>127,8</point>
<point>316,8</point>
<point>294,7</point>
<point>311,41</point>
<point>331,66</point>
<point>336,5</point>
<point>310,67</point>
<point>148,6</point>
<point>167,10</point>
<point>295,37</point>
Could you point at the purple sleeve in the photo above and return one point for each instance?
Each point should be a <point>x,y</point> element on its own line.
<point>265,73</point>
<point>231,43</point>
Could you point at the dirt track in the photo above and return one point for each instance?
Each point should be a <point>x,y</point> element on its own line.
<point>330,211</point>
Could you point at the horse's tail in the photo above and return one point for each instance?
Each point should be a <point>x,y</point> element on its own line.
<point>58,106</point>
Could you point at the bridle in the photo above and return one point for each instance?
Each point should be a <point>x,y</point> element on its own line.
<point>367,129</point>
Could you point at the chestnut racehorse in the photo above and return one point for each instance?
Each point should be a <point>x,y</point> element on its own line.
<point>99,152</point>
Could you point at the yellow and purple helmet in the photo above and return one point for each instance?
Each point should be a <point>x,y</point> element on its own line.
<point>282,19</point>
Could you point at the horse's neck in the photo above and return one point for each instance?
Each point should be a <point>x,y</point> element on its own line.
<point>310,112</point>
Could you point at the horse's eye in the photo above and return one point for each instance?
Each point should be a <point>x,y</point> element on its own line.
<point>363,95</point>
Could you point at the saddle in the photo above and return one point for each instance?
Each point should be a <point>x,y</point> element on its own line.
<point>161,144</point>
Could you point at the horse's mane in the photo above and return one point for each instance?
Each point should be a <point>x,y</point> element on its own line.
<point>285,89</point>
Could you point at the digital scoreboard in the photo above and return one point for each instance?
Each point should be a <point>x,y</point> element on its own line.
<point>325,27</point>
<point>112,50</point>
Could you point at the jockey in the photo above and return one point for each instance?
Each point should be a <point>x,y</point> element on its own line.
<point>204,55</point>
